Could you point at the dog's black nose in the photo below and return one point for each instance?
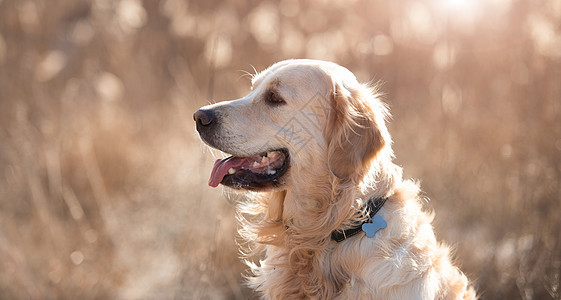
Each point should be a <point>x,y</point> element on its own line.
<point>204,117</point>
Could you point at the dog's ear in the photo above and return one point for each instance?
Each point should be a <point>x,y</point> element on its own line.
<point>356,130</point>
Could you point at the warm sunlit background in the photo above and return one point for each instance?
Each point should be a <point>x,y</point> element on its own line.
<point>103,188</point>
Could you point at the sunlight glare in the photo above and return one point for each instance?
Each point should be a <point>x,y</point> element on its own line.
<point>456,8</point>
<point>459,5</point>
<point>461,12</point>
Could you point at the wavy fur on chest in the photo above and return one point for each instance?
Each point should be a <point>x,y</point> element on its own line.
<point>402,261</point>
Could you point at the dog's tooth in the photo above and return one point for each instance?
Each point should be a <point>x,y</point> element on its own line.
<point>231,171</point>
<point>272,172</point>
<point>256,164</point>
<point>264,160</point>
<point>270,154</point>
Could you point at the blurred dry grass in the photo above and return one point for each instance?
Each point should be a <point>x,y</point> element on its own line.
<point>103,182</point>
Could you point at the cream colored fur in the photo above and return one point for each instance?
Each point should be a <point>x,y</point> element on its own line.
<point>347,161</point>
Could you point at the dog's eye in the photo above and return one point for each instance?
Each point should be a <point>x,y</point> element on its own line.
<point>273,98</point>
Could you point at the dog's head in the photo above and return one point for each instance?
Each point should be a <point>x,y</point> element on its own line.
<point>301,118</point>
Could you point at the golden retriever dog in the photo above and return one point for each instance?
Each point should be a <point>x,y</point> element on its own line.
<point>327,210</point>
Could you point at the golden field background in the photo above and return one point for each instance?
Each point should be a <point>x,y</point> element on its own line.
<point>103,190</point>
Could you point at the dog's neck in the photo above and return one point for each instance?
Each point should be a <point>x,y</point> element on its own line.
<point>296,227</point>
<point>304,211</point>
<point>380,181</point>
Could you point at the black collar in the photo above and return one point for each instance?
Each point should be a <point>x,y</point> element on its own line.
<point>373,207</point>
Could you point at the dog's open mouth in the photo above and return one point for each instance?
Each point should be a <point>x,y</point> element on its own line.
<point>253,172</point>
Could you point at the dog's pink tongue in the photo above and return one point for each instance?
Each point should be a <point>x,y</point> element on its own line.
<point>221,167</point>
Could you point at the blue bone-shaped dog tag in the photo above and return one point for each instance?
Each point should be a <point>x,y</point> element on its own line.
<point>371,228</point>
